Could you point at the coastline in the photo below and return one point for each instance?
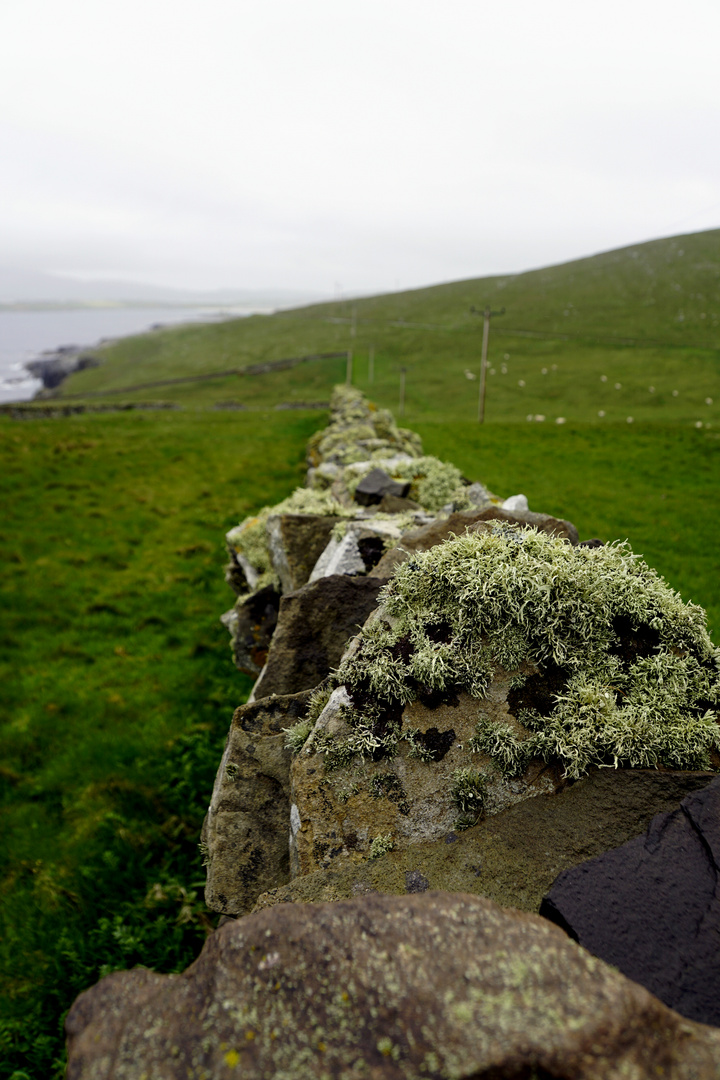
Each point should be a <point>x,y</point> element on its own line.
<point>31,361</point>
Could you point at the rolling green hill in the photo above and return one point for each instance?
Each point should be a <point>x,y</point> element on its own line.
<point>643,316</point>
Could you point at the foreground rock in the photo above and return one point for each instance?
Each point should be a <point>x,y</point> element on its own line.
<point>514,857</point>
<point>659,896</point>
<point>438,985</point>
<point>314,626</point>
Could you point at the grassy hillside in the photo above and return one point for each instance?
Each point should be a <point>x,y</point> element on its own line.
<point>642,317</point>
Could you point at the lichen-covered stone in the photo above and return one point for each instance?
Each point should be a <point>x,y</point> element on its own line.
<point>512,857</point>
<point>626,672</point>
<point>358,430</point>
<point>245,835</point>
<point>496,665</point>
<point>344,799</point>
<point>421,987</point>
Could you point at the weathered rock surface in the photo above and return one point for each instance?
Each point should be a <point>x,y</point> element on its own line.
<point>652,906</point>
<point>434,985</point>
<point>245,835</point>
<point>513,857</point>
<point>252,624</point>
<point>314,626</point>
<point>359,549</point>
<point>296,542</point>
<point>340,807</point>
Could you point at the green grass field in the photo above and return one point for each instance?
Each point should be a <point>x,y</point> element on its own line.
<point>118,685</point>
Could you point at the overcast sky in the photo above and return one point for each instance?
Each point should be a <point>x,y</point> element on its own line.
<point>326,145</point>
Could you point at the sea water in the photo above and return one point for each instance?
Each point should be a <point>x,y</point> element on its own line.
<point>25,334</point>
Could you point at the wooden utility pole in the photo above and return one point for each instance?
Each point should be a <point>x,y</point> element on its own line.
<point>371,364</point>
<point>487,315</point>
<point>348,367</point>
<point>401,410</point>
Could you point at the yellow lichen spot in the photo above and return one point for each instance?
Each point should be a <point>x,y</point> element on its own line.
<point>344,996</point>
<point>322,1047</point>
<point>385,1046</point>
<point>232,1058</point>
<point>249,1035</point>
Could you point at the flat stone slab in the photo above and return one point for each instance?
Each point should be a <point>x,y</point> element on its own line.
<point>418,987</point>
<point>652,907</point>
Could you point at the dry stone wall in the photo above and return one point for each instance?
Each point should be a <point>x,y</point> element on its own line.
<point>454,695</point>
<point>437,707</point>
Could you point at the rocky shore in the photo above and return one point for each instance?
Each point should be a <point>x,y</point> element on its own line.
<point>53,367</point>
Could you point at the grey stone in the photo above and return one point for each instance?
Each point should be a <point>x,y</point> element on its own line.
<point>652,907</point>
<point>314,625</point>
<point>376,484</point>
<point>296,542</point>
<point>433,985</point>
<point>339,557</point>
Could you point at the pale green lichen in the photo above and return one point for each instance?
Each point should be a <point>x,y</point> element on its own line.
<point>381,845</point>
<point>361,742</point>
<point>514,597</point>
<point>297,735</point>
<point>468,790</point>
<point>501,743</point>
<point>417,749</point>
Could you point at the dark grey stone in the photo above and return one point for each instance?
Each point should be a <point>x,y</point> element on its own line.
<point>652,907</point>
<point>375,485</point>
<point>314,626</point>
